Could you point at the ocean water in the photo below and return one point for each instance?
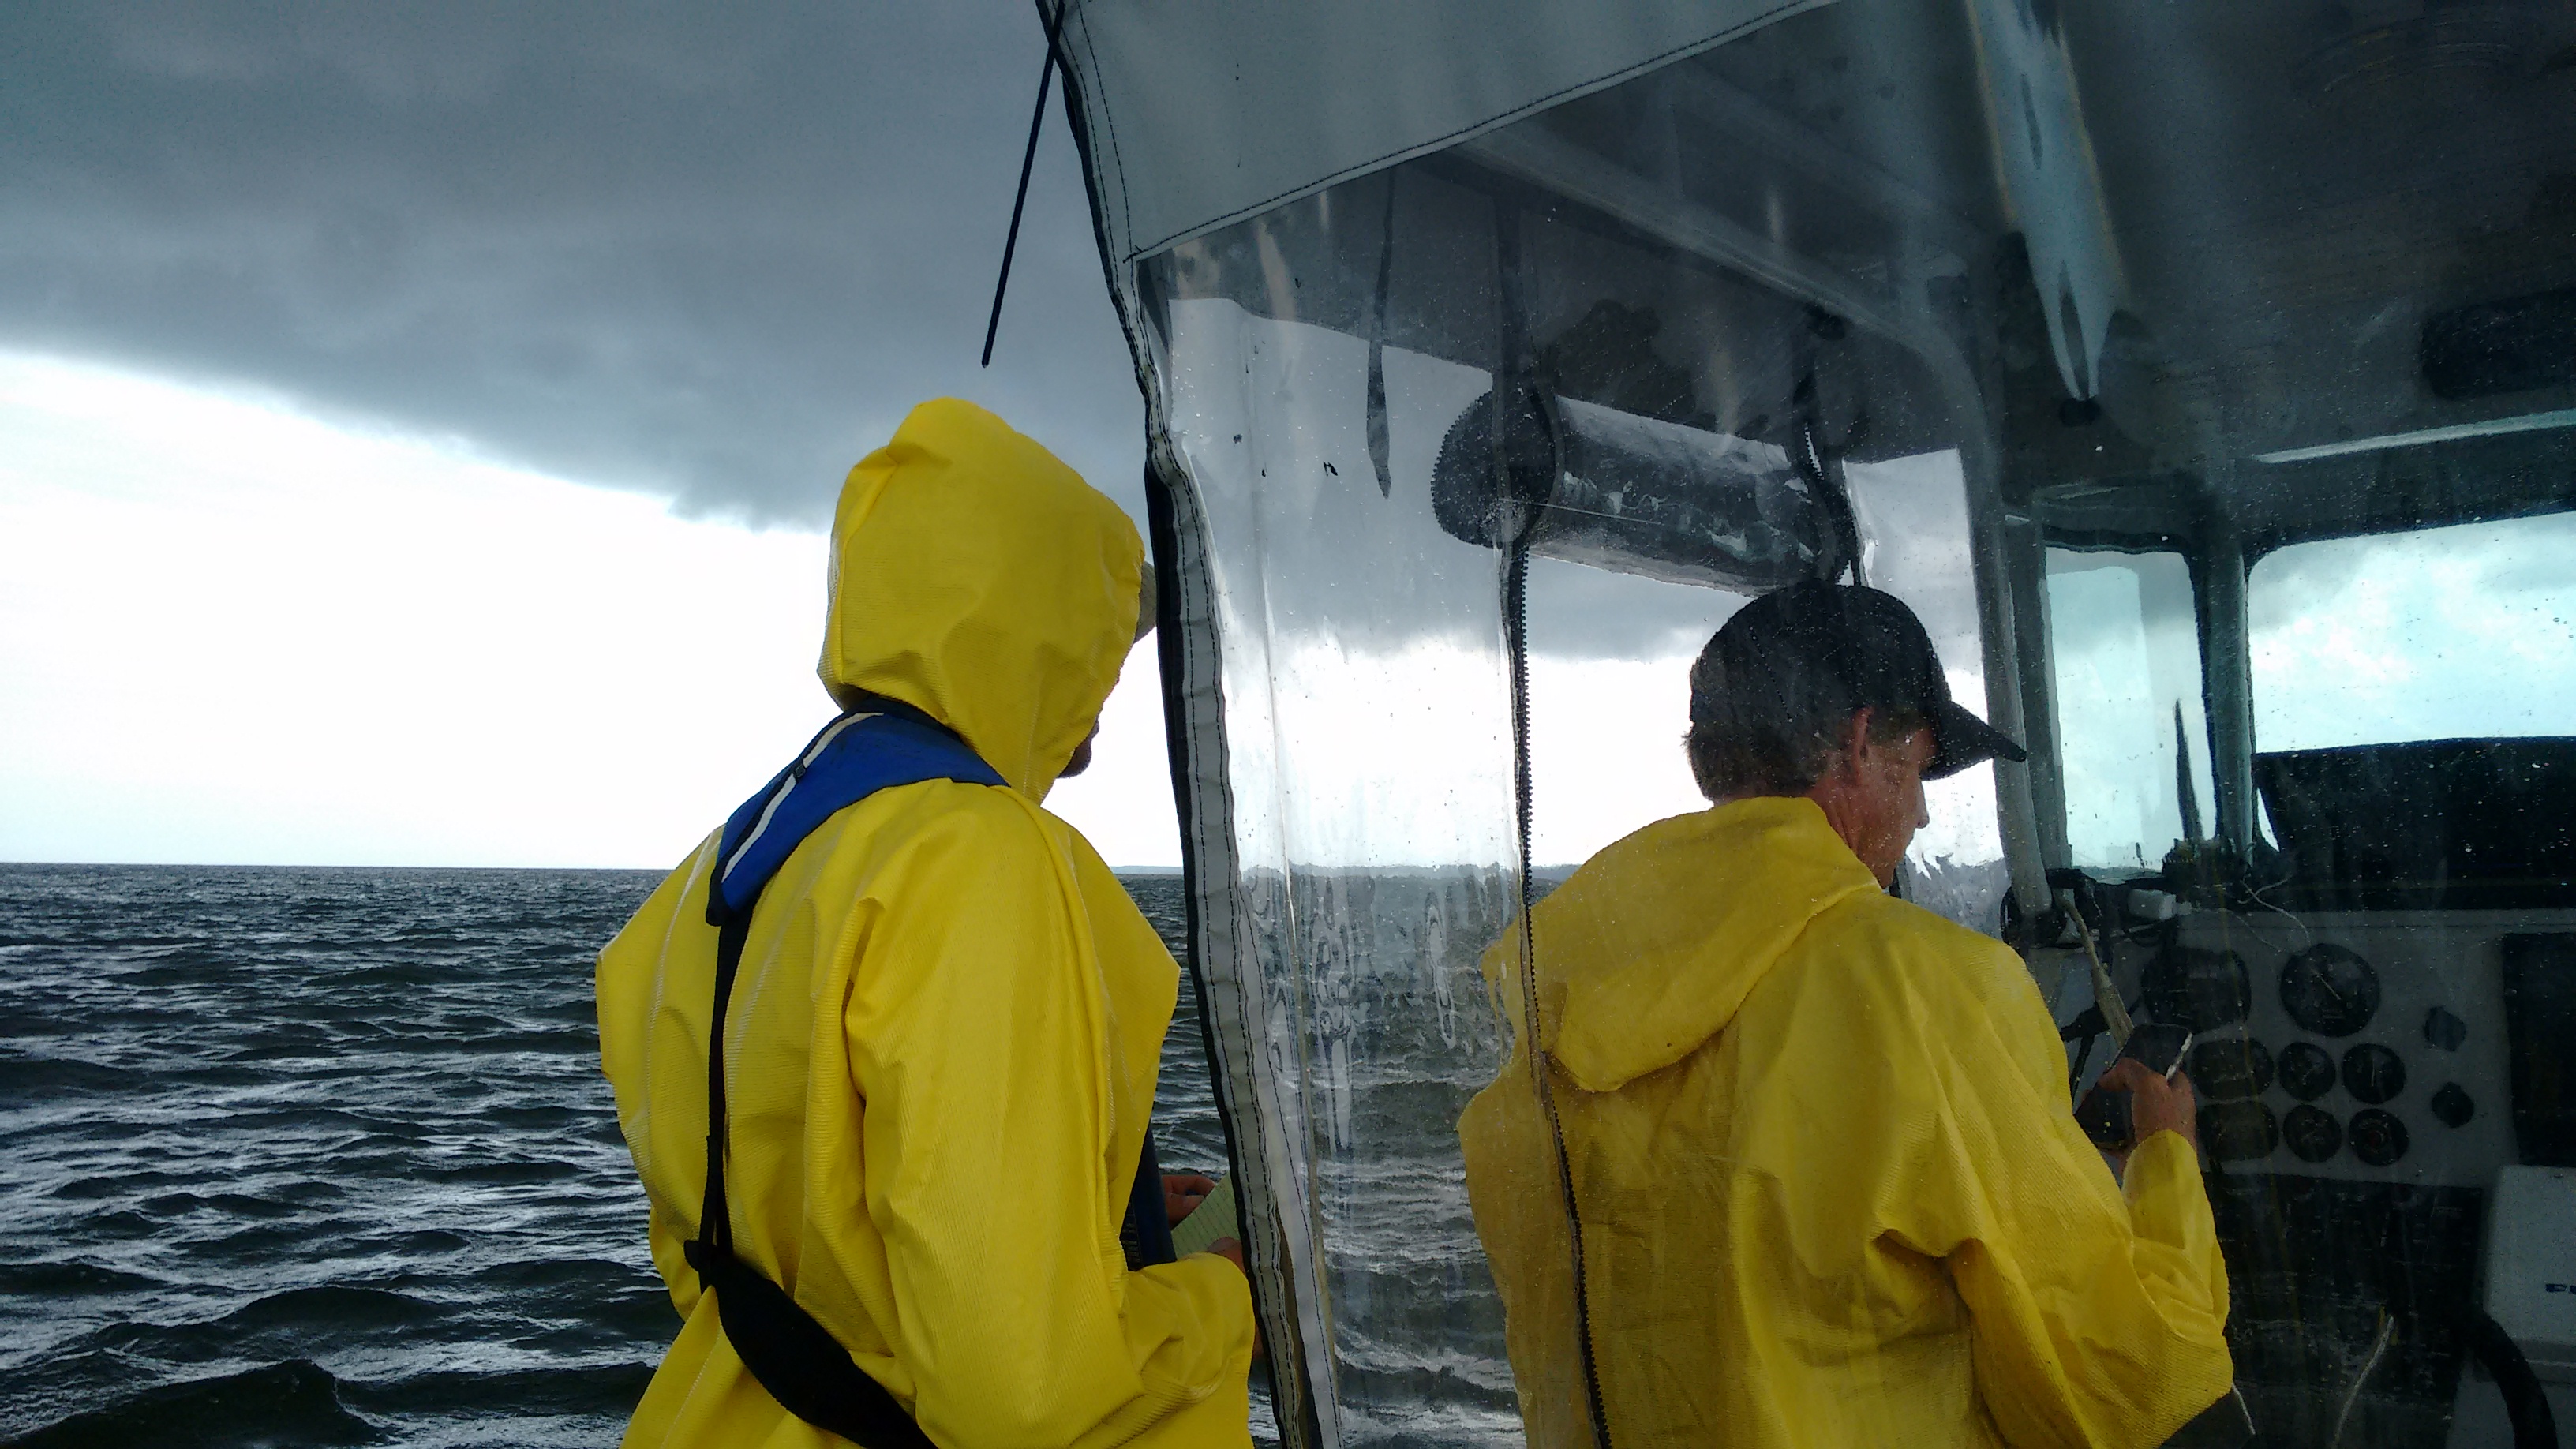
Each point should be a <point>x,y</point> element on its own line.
<point>308,1157</point>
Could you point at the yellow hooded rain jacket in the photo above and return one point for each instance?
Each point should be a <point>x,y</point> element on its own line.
<point>1831,1189</point>
<point>942,1046</point>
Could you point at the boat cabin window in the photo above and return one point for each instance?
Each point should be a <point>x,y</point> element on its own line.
<point>2434,634</point>
<point>2415,721</point>
<point>1916,542</point>
<point>2122,633</point>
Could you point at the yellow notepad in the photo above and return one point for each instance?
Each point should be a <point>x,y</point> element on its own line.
<point>1212,1219</point>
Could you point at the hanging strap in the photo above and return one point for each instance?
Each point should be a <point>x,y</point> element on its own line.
<point>790,1354</point>
<point>877,746</point>
<point>794,1357</point>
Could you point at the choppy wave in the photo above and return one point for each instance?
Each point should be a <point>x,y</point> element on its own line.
<point>318,1157</point>
<point>295,1402</point>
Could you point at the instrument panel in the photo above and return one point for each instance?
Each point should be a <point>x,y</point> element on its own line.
<point>2368,1047</point>
<point>2348,1181</point>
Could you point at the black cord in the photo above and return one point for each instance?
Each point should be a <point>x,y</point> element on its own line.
<point>1516,617</point>
<point>1808,457</point>
<point>1511,393</point>
<point>1028,160</point>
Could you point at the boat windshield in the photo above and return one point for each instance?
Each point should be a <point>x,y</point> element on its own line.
<point>2460,632</point>
<point>2133,741</point>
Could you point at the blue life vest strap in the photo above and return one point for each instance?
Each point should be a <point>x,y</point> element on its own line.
<point>854,757</point>
<point>882,744</point>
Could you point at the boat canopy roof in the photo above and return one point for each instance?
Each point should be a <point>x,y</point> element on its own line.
<point>1197,126</point>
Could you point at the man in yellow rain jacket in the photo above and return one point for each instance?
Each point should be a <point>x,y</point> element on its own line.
<point>1818,1142</point>
<point>940,1052</point>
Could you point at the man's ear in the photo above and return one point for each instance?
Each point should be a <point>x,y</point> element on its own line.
<point>1855,741</point>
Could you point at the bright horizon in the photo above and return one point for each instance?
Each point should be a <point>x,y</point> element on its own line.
<point>234,634</point>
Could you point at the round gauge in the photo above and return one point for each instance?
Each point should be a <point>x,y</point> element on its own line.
<point>2373,1073</point>
<point>2452,1105</point>
<point>2196,987</point>
<point>2329,990</point>
<point>2224,1069</point>
<point>2312,1133</point>
<point>2306,1071</point>
<point>2234,1131</point>
<point>2378,1138</point>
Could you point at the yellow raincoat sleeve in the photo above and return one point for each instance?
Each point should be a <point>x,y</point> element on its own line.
<point>991,1142</point>
<point>2098,1316</point>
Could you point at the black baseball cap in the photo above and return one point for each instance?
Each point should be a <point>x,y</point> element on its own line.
<point>1815,653</point>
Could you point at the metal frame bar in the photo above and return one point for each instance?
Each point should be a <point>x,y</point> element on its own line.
<point>2218,596</point>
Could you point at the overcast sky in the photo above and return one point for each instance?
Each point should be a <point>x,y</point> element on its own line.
<point>647,247</point>
<point>393,396</point>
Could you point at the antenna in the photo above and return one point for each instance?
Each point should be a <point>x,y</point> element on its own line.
<point>1028,159</point>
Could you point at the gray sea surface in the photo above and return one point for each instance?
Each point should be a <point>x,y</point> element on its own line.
<point>322,1157</point>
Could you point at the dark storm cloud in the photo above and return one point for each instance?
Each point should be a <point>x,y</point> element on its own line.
<point>711,252</point>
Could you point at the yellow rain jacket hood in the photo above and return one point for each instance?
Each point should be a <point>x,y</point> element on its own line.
<point>1830,1185</point>
<point>941,1052</point>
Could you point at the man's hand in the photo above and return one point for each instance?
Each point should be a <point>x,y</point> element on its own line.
<point>1182,1193</point>
<point>2155,1105</point>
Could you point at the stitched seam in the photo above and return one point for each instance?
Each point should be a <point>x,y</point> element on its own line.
<point>1217,838</point>
<point>1117,162</point>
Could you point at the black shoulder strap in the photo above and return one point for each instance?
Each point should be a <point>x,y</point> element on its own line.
<point>792,1356</point>
<point>795,1358</point>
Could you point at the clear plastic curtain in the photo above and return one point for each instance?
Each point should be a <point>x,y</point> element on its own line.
<point>1367,736</point>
